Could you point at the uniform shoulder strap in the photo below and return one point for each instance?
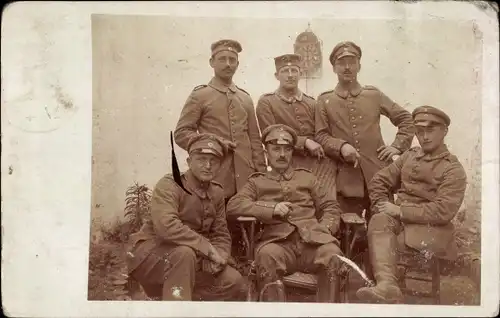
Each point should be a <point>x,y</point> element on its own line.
<point>244,91</point>
<point>199,87</point>
<point>327,92</point>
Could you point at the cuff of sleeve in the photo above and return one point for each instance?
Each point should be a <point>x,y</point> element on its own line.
<point>400,145</point>
<point>204,247</point>
<point>265,210</point>
<point>301,143</point>
<point>338,150</point>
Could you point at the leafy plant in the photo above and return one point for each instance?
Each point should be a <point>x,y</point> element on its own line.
<point>137,206</point>
<point>107,272</point>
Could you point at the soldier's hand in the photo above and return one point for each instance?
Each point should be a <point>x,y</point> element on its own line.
<point>214,256</point>
<point>211,267</point>
<point>385,153</point>
<point>389,209</point>
<point>282,209</point>
<point>350,154</point>
<point>229,143</point>
<point>314,148</point>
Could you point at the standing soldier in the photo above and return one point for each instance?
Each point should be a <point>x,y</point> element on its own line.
<point>431,183</point>
<point>186,244</point>
<point>300,218</point>
<point>227,111</point>
<point>289,106</point>
<point>348,128</point>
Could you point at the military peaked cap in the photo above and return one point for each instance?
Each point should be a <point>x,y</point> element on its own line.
<point>207,143</point>
<point>429,113</point>
<point>346,48</point>
<point>287,60</point>
<point>226,45</point>
<point>279,134</point>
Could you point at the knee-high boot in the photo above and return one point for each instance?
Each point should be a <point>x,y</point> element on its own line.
<point>382,246</point>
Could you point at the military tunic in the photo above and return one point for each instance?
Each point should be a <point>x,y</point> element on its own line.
<point>354,117</point>
<point>431,191</point>
<point>229,113</point>
<point>298,113</point>
<point>305,241</point>
<point>169,247</point>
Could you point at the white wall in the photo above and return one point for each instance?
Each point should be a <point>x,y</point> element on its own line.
<point>145,67</point>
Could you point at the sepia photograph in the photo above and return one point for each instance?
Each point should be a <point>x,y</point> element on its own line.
<point>324,163</point>
<point>307,158</point>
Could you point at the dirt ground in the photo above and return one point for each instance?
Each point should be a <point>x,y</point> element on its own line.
<point>456,290</point>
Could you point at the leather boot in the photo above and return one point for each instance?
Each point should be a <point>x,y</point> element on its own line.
<point>382,247</point>
<point>328,287</point>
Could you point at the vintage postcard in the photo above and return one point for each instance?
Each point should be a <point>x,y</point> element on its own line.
<point>312,158</point>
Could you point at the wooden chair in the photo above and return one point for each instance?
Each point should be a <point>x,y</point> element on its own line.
<point>349,229</point>
<point>414,265</point>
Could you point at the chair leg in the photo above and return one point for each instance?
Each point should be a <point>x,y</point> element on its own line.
<point>401,277</point>
<point>436,282</point>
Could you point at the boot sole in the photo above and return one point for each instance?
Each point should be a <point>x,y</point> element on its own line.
<point>370,297</point>
<point>373,298</point>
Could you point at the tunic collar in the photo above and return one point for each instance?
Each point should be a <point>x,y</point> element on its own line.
<point>287,175</point>
<point>441,152</point>
<point>221,87</point>
<point>291,99</point>
<point>344,93</point>
<point>192,183</point>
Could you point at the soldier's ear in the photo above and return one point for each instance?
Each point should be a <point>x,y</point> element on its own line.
<point>188,160</point>
<point>446,131</point>
<point>334,70</point>
<point>359,66</point>
<point>276,75</point>
<point>211,61</point>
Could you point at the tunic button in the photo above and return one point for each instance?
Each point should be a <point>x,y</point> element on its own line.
<point>237,176</point>
<point>351,109</point>
<point>353,118</point>
<point>360,117</point>
<point>357,141</point>
<point>356,133</point>
<point>353,126</point>
<point>357,149</point>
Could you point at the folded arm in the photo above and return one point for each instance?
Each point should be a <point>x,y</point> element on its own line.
<point>245,203</point>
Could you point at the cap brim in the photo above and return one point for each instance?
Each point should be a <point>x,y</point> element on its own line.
<point>209,151</point>
<point>345,54</point>
<point>426,123</point>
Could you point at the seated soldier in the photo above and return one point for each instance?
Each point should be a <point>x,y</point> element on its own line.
<point>299,216</point>
<point>431,183</point>
<point>186,244</point>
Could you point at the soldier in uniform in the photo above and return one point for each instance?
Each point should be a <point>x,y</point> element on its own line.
<point>289,106</point>
<point>431,183</point>
<point>227,111</point>
<point>224,109</point>
<point>348,128</point>
<point>299,217</point>
<point>186,244</point>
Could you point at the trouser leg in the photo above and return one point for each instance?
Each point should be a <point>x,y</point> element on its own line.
<point>273,260</point>
<point>169,272</point>
<point>321,260</point>
<point>228,285</point>
<point>382,240</point>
